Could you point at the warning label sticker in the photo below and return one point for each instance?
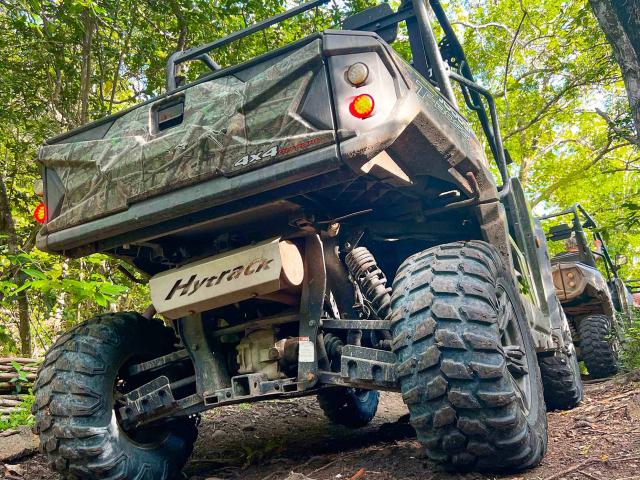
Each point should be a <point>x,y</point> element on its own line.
<point>306,352</point>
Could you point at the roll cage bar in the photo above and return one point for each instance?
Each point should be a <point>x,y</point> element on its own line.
<point>438,62</point>
<point>578,225</point>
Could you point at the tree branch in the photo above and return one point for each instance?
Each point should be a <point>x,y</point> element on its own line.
<point>577,172</point>
<point>478,27</point>
<point>506,67</point>
<point>543,111</point>
<point>618,131</point>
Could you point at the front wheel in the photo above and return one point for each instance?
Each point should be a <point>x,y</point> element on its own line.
<point>467,366</point>
<point>75,399</point>
<point>351,407</point>
<point>598,346</point>
<point>561,379</point>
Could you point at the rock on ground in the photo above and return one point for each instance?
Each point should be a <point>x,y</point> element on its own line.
<point>17,444</point>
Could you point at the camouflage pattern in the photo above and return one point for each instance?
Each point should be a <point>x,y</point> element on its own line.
<point>229,126</point>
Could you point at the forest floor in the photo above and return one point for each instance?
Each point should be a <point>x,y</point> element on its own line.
<point>291,440</point>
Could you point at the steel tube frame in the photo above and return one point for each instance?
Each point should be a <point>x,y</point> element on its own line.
<point>433,52</point>
<point>501,159</point>
<point>197,53</point>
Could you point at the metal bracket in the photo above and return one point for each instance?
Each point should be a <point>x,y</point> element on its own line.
<point>152,398</point>
<point>211,372</point>
<point>158,363</point>
<point>356,324</point>
<point>250,386</point>
<point>311,305</point>
<point>368,365</point>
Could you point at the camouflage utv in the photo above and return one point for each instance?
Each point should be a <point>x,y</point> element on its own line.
<point>589,298</point>
<point>320,220</point>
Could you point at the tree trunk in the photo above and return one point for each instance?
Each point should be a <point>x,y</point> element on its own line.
<point>8,228</point>
<point>620,21</point>
<point>182,32</point>
<point>85,74</point>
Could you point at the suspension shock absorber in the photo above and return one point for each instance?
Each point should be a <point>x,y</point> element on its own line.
<point>371,280</point>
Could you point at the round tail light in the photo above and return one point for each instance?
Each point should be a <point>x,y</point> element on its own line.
<point>362,106</point>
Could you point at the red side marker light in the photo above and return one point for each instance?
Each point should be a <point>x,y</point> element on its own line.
<point>40,213</point>
<point>362,106</point>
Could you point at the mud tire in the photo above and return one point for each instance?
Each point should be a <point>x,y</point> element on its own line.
<point>73,408</point>
<point>597,346</point>
<point>351,407</point>
<point>563,389</point>
<point>452,368</point>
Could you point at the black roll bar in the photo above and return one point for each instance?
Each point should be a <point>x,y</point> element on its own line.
<point>575,210</point>
<point>433,52</point>
<point>200,52</point>
<point>473,100</point>
<point>500,156</point>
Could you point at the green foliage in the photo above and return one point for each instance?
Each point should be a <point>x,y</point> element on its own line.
<point>67,63</point>
<point>20,381</point>
<point>630,355</point>
<point>20,417</point>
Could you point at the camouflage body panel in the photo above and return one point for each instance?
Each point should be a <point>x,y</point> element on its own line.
<point>228,127</point>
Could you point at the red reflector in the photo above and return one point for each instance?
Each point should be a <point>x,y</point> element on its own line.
<point>40,213</point>
<point>362,106</point>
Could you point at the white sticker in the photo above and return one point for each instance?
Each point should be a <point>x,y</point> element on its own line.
<point>306,352</point>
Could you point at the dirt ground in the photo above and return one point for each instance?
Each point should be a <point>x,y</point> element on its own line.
<point>290,439</point>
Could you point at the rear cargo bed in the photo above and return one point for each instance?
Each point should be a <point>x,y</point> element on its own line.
<point>276,129</point>
<point>245,119</point>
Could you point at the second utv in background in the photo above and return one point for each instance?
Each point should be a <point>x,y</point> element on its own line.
<point>591,300</point>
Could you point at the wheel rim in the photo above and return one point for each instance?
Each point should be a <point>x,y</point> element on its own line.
<point>512,340</point>
<point>362,395</point>
<point>147,437</point>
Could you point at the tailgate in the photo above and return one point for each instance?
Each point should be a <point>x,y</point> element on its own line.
<point>242,119</point>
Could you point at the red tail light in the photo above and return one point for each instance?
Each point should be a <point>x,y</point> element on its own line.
<point>40,213</point>
<point>362,106</point>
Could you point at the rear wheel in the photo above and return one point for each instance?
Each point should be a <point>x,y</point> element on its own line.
<point>561,379</point>
<point>466,363</point>
<point>351,407</point>
<point>76,392</point>
<point>598,346</point>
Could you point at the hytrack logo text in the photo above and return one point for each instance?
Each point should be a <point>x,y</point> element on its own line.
<point>193,284</point>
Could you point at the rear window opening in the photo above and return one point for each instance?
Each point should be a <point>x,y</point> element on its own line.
<point>169,114</point>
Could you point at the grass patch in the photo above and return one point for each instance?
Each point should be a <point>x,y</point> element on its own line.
<point>630,354</point>
<point>20,417</point>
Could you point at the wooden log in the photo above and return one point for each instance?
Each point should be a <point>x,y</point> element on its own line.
<point>9,403</point>
<point>9,368</point>
<point>18,398</point>
<point>22,361</point>
<point>9,410</point>
<point>8,387</point>
<point>10,376</point>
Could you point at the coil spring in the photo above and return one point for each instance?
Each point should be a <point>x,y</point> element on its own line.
<point>364,270</point>
<point>572,329</point>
